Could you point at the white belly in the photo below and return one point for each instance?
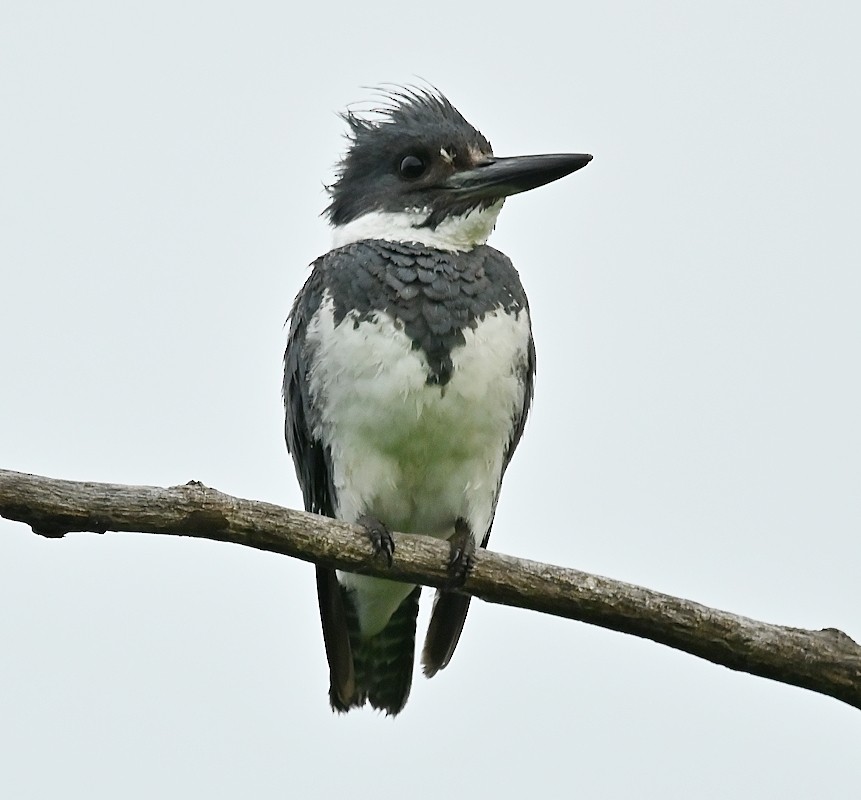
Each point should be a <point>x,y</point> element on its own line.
<point>413,455</point>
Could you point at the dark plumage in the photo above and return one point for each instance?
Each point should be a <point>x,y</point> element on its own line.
<point>434,293</point>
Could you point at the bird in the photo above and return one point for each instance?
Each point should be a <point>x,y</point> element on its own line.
<point>408,373</point>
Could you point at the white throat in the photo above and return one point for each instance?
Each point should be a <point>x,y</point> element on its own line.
<point>454,233</point>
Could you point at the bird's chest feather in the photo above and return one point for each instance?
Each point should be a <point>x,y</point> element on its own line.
<point>411,451</point>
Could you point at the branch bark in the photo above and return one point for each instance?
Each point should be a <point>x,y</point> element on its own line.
<point>825,661</point>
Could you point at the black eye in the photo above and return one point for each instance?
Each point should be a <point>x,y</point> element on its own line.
<point>411,167</point>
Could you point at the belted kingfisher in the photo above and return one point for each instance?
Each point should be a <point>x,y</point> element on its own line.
<point>408,373</point>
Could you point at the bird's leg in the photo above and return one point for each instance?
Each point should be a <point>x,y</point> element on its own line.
<point>380,536</point>
<point>462,545</point>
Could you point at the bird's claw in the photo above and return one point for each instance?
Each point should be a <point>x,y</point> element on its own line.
<point>380,536</point>
<point>462,545</point>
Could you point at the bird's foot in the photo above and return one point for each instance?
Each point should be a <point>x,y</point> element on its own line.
<point>380,536</point>
<point>462,545</point>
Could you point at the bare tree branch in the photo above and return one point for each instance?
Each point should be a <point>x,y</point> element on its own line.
<point>825,661</point>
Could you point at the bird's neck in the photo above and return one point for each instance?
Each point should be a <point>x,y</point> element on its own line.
<point>455,233</point>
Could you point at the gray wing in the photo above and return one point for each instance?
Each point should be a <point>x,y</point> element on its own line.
<point>311,457</point>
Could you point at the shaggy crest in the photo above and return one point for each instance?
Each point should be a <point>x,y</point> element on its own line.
<point>403,120</point>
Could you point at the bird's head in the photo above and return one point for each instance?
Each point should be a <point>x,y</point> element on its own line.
<point>416,170</point>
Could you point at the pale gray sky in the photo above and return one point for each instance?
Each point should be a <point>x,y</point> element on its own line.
<point>695,294</point>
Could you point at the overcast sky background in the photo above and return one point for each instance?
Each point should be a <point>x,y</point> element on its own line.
<point>695,294</point>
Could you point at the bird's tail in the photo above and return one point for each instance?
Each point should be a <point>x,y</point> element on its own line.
<point>446,625</point>
<point>376,669</point>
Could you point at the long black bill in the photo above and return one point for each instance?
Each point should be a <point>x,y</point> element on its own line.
<point>501,177</point>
